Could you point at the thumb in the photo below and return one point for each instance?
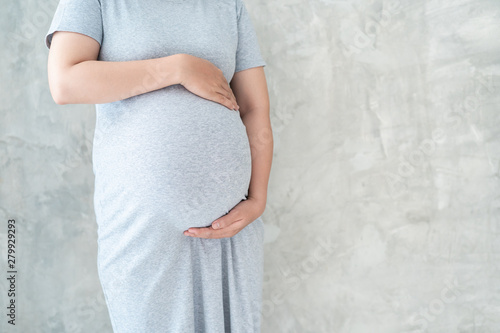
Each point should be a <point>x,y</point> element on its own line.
<point>221,222</point>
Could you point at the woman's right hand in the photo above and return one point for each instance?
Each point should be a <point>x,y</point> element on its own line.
<point>206,80</point>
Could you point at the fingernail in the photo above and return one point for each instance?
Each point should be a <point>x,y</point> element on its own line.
<point>215,225</point>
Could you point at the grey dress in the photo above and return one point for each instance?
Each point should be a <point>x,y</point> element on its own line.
<point>168,160</point>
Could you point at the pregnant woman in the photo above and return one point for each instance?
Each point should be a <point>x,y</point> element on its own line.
<point>182,153</point>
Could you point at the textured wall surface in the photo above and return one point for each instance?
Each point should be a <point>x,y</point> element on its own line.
<point>384,201</point>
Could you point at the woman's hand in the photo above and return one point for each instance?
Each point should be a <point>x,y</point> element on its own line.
<point>206,80</point>
<point>233,222</point>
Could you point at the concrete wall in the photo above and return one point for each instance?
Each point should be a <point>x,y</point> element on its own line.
<point>384,202</point>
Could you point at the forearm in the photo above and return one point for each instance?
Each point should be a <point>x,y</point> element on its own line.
<point>97,82</point>
<point>261,141</point>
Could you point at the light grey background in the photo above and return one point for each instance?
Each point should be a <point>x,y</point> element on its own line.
<point>384,201</point>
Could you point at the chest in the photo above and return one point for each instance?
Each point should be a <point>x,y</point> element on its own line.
<point>146,29</point>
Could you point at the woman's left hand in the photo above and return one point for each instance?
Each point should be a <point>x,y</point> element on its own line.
<point>233,222</point>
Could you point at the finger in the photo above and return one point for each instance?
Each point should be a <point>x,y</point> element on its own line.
<point>193,232</point>
<point>206,232</point>
<point>226,220</point>
<point>225,100</point>
<point>219,223</point>
<point>229,94</point>
<point>234,98</point>
<point>225,93</point>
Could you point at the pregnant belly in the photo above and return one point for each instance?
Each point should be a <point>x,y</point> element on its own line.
<point>187,163</point>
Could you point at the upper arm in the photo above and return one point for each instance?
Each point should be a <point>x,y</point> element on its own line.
<point>250,89</point>
<point>68,49</point>
<point>75,35</point>
<point>248,83</point>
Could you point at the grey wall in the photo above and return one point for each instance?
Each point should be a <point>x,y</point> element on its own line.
<point>384,201</point>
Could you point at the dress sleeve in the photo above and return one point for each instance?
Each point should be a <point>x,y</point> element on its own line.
<point>82,16</point>
<point>248,53</point>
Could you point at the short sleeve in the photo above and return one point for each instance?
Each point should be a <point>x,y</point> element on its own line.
<point>248,52</point>
<point>82,16</point>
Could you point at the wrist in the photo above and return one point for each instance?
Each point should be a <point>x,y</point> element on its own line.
<point>178,65</point>
<point>259,200</point>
